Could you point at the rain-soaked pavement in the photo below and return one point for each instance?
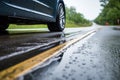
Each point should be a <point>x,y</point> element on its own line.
<point>96,57</point>
<point>17,45</point>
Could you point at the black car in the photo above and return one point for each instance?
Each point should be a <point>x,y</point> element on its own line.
<point>50,12</point>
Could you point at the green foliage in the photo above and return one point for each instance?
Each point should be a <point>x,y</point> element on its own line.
<point>110,14</point>
<point>73,17</point>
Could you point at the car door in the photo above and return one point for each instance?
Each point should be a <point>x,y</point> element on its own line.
<point>22,8</point>
<point>46,7</point>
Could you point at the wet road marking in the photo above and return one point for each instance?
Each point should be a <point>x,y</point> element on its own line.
<point>24,67</point>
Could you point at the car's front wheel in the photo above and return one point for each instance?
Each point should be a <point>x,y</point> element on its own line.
<point>59,25</point>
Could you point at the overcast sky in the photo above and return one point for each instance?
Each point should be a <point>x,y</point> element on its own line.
<point>89,8</point>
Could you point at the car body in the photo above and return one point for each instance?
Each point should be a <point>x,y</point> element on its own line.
<point>50,12</point>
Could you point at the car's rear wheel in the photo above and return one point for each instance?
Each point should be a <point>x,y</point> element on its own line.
<point>59,25</point>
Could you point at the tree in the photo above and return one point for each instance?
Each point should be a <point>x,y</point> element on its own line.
<point>104,2</point>
<point>110,13</point>
<point>75,17</point>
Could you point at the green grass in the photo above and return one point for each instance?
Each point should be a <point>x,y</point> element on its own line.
<point>68,25</point>
<point>71,24</point>
<point>13,26</point>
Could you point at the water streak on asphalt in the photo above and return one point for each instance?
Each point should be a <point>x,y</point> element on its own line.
<point>16,47</point>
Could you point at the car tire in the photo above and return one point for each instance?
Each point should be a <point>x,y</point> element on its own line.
<point>59,25</point>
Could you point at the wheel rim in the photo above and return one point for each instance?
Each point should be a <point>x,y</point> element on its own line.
<point>62,17</point>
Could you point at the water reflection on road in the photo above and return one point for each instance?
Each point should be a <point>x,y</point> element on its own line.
<point>16,46</point>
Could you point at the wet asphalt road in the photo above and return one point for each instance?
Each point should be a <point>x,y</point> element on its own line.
<point>17,45</point>
<point>94,58</point>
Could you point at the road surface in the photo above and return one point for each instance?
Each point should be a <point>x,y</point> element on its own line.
<point>17,45</point>
<point>96,57</point>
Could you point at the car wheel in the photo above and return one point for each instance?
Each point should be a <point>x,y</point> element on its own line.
<point>59,25</point>
<point>3,26</point>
